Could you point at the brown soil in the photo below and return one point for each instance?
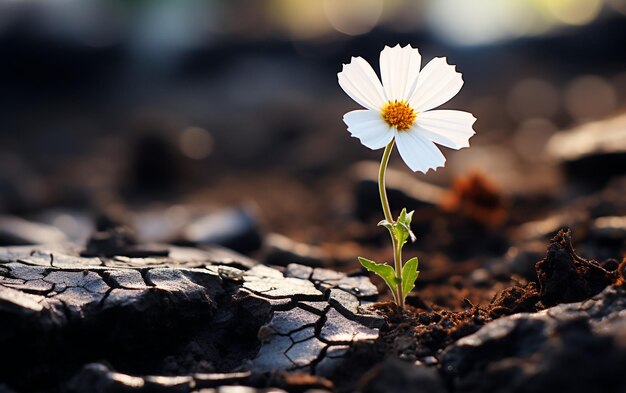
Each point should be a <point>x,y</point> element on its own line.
<point>419,332</point>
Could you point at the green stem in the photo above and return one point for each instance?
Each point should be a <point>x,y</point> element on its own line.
<point>397,260</point>
<point>381,181</point>
<point>397,248</point>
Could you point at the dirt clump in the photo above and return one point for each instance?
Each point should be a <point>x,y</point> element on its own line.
<point>565,277</point>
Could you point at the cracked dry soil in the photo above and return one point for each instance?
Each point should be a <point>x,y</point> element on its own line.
<point>191,313</point>
<point>190,319</point>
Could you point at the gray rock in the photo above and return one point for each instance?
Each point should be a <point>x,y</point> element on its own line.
<point>17,231</point>
<point>578,347</point>
<point>76,225</point>
<point>280,250</point>
<point>236,229</point>
<point>593,152</point>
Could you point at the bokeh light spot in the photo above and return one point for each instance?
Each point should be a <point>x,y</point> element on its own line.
<point>590,97</point>
<point>301,19</point>
<point>533,98</point>
<point>531,137</point>
<point>353,17</point>
<point>574,12</point>
<point>196,143</point>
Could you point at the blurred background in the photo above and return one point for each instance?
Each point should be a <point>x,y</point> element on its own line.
<point>220,121</point>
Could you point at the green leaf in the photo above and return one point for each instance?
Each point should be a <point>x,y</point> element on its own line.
<point>386,224</point>
<point>390,226</point>
<point>409,275</point>
<point>402,228</point>
<point>385,271</point>
<point>405,217</point>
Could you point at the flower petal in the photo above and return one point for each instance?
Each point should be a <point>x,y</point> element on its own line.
<point>399,68</point>
<point>436,84</point>
<point>369,127</point>
<point>360,82</point>
<point>449,128</point>
<point>419,153</point>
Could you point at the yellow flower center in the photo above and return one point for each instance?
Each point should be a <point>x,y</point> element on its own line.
<point>399,114</point>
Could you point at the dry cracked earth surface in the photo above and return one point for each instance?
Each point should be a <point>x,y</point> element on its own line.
<point>195,319</point>
<point>175,319</point>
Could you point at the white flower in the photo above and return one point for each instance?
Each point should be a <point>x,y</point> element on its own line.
<point>401,107</point>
